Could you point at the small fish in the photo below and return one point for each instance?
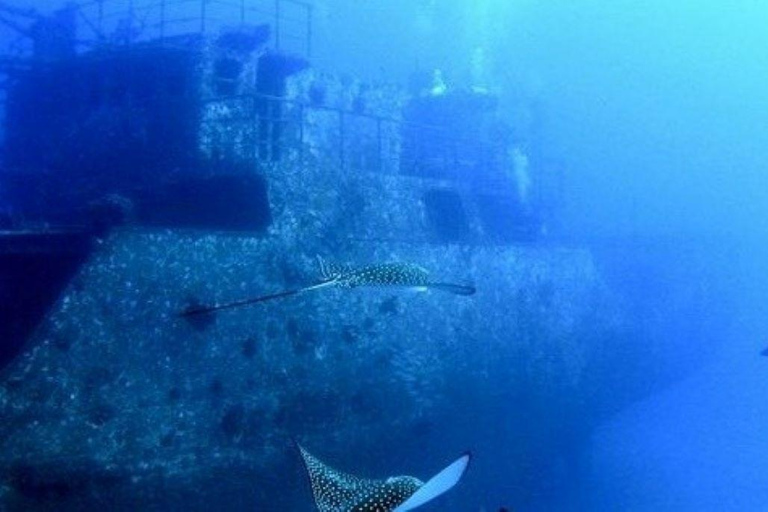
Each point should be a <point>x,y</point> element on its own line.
<point>334,491</point>
<point>397,275</point>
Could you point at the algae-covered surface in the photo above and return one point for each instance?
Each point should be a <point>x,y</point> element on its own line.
<point>119,387</point>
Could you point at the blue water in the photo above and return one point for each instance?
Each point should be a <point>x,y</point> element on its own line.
<point>655,113</point>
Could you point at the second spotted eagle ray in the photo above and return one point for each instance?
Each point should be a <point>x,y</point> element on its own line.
<point>335,491</point>
<point>397,275</point>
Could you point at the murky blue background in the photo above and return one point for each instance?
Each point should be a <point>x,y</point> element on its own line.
<point>658,111</point>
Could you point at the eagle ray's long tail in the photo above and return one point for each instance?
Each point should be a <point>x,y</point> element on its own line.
<point>456,289</point>
<point>202,310</point>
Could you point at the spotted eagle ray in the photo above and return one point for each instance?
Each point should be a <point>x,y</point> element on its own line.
<point>396,275</point>
<point>334,491</point>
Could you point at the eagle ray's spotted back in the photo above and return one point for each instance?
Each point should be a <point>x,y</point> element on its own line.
<point>336,491</point>
<point>387,274</point>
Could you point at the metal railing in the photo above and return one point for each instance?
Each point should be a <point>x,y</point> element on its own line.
<point>125,22</point>
<point>266,129</point>
<point>279,135</point>
<point>141,20</point>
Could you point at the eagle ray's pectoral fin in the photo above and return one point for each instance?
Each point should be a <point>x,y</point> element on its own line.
<point>437,485</point>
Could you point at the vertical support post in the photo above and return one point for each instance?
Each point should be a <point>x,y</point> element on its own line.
<point>302,154</point>
<point>257,128</point>
<point>453,169</point>
<point>277,24</point>
<point>342,139</point>
<point>309,30</point>
<point>271,125</point>
<point>301,124</point>
<point>379,146</point>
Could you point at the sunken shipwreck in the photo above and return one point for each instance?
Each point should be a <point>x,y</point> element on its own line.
<point>153,162</point>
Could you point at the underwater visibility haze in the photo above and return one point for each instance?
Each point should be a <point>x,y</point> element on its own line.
<point>337,256</point>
